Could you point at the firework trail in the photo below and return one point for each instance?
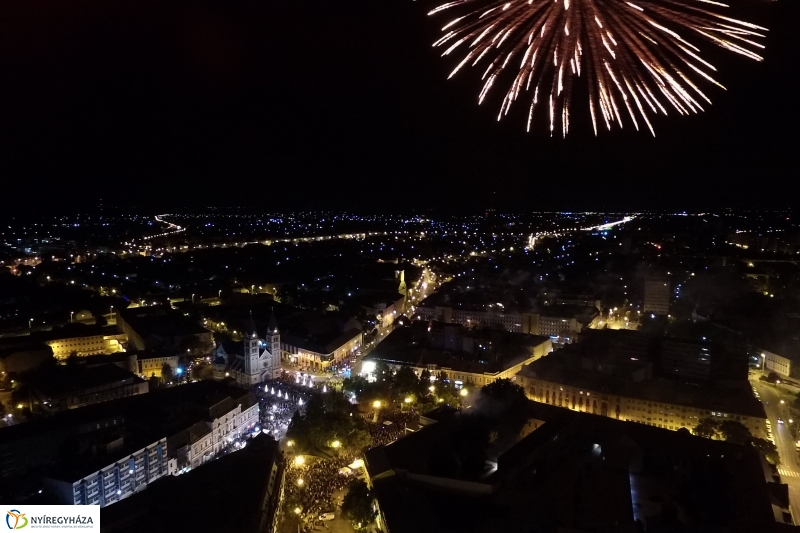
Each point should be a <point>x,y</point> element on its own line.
<point>636,61</point>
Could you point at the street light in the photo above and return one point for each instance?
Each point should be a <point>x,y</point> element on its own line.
<point>336,444</point>
<point>463,392</point>
<point>70,315</point>
<point>763,361</point>
<point>299,460</point>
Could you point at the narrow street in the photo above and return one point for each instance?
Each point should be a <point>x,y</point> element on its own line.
<point>789,468</point>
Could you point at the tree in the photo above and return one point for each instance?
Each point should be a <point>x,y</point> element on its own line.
<point>354,384</point>
<point>708,428</point>
<point>166,373</point>
<point>383,373</point>
<point>326,421</point>
<point>425,376</point>
<point>73,358</point>
<point>505,391</point>
<point>736,432</point>
<point>357,505</point>
<point>406,381</point>
<point>769,450</point>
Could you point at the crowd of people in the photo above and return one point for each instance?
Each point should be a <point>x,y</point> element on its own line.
<point>278,400</point>
<point>310,486</point>
<point>391,426</point>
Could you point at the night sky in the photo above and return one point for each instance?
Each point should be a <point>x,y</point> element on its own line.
<point>345,105</point>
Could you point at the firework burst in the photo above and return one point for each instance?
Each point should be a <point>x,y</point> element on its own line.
<point>636,61</point>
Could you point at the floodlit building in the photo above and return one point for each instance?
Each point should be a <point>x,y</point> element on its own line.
<point>625,390</point>
<point>309,352</point>
<point>253,359</point>
<point>228,418</point>
<point>84,340</point>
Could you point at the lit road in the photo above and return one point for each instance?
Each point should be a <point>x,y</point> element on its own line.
<point>790,464</point>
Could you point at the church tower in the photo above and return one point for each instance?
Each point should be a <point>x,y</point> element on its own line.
<point>274,345</point>
<point>251,342</point>
<point>402,289</point>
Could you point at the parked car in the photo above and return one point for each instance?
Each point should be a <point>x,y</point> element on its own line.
<point>327,516</point>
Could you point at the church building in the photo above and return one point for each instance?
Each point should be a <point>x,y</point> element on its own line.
<point>253,359</point>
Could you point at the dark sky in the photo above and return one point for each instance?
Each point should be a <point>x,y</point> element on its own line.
<point>344,104</point>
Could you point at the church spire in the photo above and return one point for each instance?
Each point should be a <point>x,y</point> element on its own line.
<point>250,330</point>
<point>272,326</point>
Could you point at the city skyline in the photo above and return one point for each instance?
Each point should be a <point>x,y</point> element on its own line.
<point>314,355</point>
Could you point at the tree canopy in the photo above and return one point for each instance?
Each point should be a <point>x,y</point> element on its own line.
<point>505,391</point>
<point>166,373</point>
<point>736,432</point>
<point>327,421</point>
<point>357,505</point>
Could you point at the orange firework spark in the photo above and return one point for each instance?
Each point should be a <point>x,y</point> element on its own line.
<point>633,56</point>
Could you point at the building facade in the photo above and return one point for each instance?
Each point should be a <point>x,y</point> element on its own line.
<point>656,296</point>
<point>153,366</point>
<point>467,375</point>
<point>776,363</point>
<point>666,411</point>
<point>254,360</point>
<point>309,356</point>
<point>114,482</point>
<point>388,311</point>
<point>229,422</point>
<point>515,322</point>
<point>87,345</point>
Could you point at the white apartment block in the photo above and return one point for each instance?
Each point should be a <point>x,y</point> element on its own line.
<point>114,482</point>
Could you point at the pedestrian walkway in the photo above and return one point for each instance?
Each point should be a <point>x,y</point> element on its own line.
<point>788,473</point>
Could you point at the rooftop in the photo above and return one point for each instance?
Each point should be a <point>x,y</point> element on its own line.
<point>155,409</point>
<point>68,379</point>
<point>77,466</point>
<point>159,321</point>
<point>489,351</point>
<point>191,502</point>
<point>577,472</point>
